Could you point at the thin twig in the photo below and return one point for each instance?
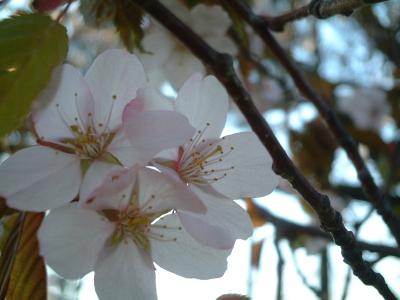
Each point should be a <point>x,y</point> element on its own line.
<point>324,271</point>
<point>303,278</point>
<point>222,66</point>
<point>279,268</point>
<point>320,9</point>
<point>292,230</point>
<point>371,190</point>
<point>64,11</point>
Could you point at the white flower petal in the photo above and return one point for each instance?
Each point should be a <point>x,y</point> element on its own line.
<point>210,20</point>
<point>181,65</point>
<point>252,174</point>
<point>230,221</point>
<point>95,177</point>
<point>123,150</point>
<point>71,239</point>
<point>115,191</point>
<point>195,99</point>
<point>39,178</point>
<point>114,78</point>
<point>67,101</point>
<point>153,100</point>
<point>124,272</point>
<point>177,252</point>
<point>158,44</point>
<point>160,192</point>
<point>149,132</point>
<point>205,232</point>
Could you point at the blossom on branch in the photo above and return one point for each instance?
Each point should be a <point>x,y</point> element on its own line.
<point>81,137</point>
<point>168,59</point>
<point>367,107</point>
<point>131,223</point>
<point>216,169</point>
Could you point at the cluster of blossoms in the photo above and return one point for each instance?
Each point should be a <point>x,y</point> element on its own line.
<point>367,107</point>
<point>131,178</point>
<point>167,58</point>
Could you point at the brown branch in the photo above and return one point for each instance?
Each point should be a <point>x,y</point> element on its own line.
<point>371,190</point>
<point>222,66</point>
<point>292,230</point>
<point>320,9</point>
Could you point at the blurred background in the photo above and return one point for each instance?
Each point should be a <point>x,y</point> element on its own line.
<point>353,62</point>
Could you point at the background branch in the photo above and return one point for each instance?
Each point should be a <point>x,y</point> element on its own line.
<point>371,190</point>
<point>292,230</point>
<point>320,9</point>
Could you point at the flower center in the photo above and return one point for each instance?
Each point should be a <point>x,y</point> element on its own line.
<point>89,141</point>
<point>88,144</point>
<point>139,225</point>
<point>202,161</point>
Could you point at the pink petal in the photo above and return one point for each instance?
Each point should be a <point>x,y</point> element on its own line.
<point>114,191</point>
<point>39,178</point>
<point>195,100</point>
<point>98,173</point>
<point>114,78</point>
<point>66,101</point>
<point>251,175</point>
<point>206,233</point>
<point>125,272</point>
<point>149,132</point>
<point>71,239</point>
<point>223,223</point>
<point>179,253</point>
<point>160,192</point>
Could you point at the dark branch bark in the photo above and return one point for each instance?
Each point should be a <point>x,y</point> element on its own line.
<point>371,190</point>
<point>222,66</point>
<point>291,230</point>
<point>320,9</point>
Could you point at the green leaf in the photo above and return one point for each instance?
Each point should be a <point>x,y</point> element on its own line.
<point>128,21</point>
<point>31,45</point>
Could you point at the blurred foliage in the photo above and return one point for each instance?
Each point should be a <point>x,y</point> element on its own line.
<point>28,280</point>
<point>31,45</point>
<point>126,16</point>
<point>313,150</point>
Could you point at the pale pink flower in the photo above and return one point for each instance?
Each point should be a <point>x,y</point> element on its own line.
<point>131,223</point>
<point>81,137</point>
<point>367,107</point>
<point>216,169</point>
<point>168,59</point>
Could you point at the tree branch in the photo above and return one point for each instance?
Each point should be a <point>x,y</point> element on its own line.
<point>292,230</point>
<point>371,190</point>
<point>320,9</point>
<point>222,66</point>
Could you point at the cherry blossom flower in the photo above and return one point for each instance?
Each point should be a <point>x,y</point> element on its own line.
<point>216,169</point>
<point>367,107</point>
<point>266,92</point>
<point>168,58</point>
<point>81,137</point>
<point>130,224</point>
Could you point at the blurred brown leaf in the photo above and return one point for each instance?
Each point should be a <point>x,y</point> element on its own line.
<point>256,253</point>
<point>313,150</point>
<point>28,275</point>
<point>256,217</point>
